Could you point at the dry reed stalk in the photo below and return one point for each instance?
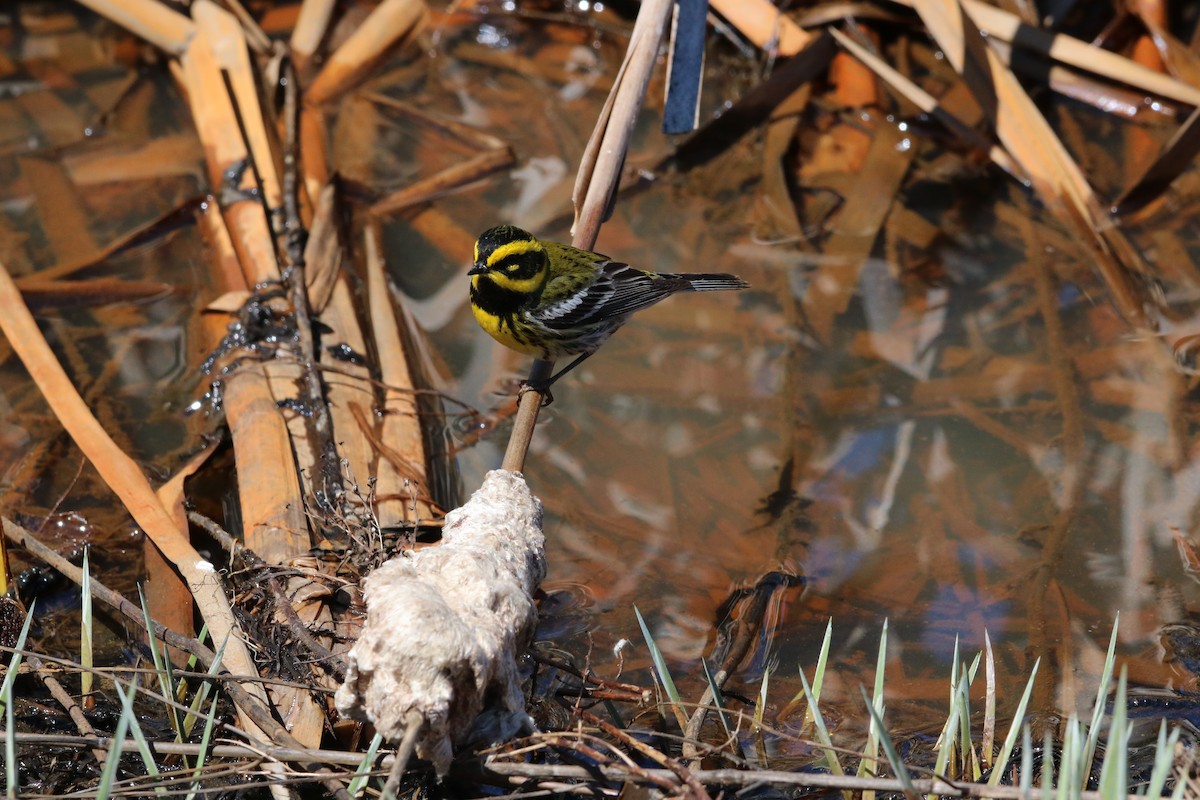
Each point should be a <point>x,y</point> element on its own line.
<point>233,57</point>
<point>167,596</point>
<point>1005,26</point>
<point>348,384</point>
<point>930,105</point>
<point>387,24</point>
<point>400,430</point>
<point>1154,14</point>
<point>449,179</point>
<point>310,29</point>
<point>126,480</point>
<point>314,155</point>
<point>323,252</point>
<point>226,268</point>
<point>149,19</point>
<point>1021,128</point>
<point>226,156</point>
<point>763,23</point>
<point>164,157</point>
<point>255,37</point>
<point>270,452</point>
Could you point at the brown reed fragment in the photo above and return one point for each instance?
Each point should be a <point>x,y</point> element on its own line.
<point>1175,158</point>
<point>448,180</point>
<point>402,489</point>
<point>309,31</point>
<point>41,294</point>
<point>755,106</point>
<point>350,385</point>
<point>152,20</point>
<point>1008,27</point>
<point>930,105</point>
<point>169,156</point>
<point>233,59</point>
<point>60,209</point>
<point>324,250</point>
<point>693,787</point>
<point>255,37</point>
<point>391,21</point>
<point>763,24</point>
<point>167,596</point>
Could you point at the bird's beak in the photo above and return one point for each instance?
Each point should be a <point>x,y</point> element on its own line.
<point>477,269</point>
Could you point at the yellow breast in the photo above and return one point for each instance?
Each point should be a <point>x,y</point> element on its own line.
<point>500,330</point>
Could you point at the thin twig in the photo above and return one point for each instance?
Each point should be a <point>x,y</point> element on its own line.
<point>413,725</point>
<point>67,702</point>
<point>738,777</point>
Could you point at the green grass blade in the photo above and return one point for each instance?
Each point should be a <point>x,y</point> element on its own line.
<point>831,757</point>
<point>1114,771</point>
<point>718,699</point>
<point>966,748</point>
<point>818,679</point>
<point>945,742</point>
<point>1026,775</point>
<point>86,653</point>
<point>1014,729</point>
<point>1047,766</point>
<point>162,668</point>
<point>205,687</point>
<point>664,675</point>
<point>987,746</point>
<point>111,764</point>
<point>363,773</point>
<point>1164,760</point>
<point>139,736</point>
<point>205,741</point>
<point>867,767</point>
<point>760,710</point>
<point>1106,675</point>
<point>889,748</point>
<point>1073,749</point>
<point>6,697</point>
<point>822,662</point>
<point>954,671</point>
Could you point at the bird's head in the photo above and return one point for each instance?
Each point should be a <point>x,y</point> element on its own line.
<point>511,258</point>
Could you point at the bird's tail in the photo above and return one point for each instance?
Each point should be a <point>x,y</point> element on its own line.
<point>711,282</point>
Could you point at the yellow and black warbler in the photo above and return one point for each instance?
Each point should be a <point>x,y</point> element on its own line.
<point>551,300</point>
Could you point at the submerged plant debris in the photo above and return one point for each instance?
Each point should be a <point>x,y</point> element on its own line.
<point>955,405</point>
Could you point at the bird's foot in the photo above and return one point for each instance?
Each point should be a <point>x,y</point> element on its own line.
<point>541,388</point>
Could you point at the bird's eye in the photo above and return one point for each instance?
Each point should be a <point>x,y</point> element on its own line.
<point>512,267</point>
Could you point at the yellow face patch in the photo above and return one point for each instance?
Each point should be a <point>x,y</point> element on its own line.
<point>517,248</point>
<point>523,285</point>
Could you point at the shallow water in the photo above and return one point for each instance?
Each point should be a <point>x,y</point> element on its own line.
<point>975,442</point>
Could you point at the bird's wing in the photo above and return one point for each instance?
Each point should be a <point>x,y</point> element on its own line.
<point>602,291</point>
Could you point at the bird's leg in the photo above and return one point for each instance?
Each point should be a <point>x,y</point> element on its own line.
<point>543,387</point>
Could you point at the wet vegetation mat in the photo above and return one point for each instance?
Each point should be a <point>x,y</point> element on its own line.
<point>915,513</point>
